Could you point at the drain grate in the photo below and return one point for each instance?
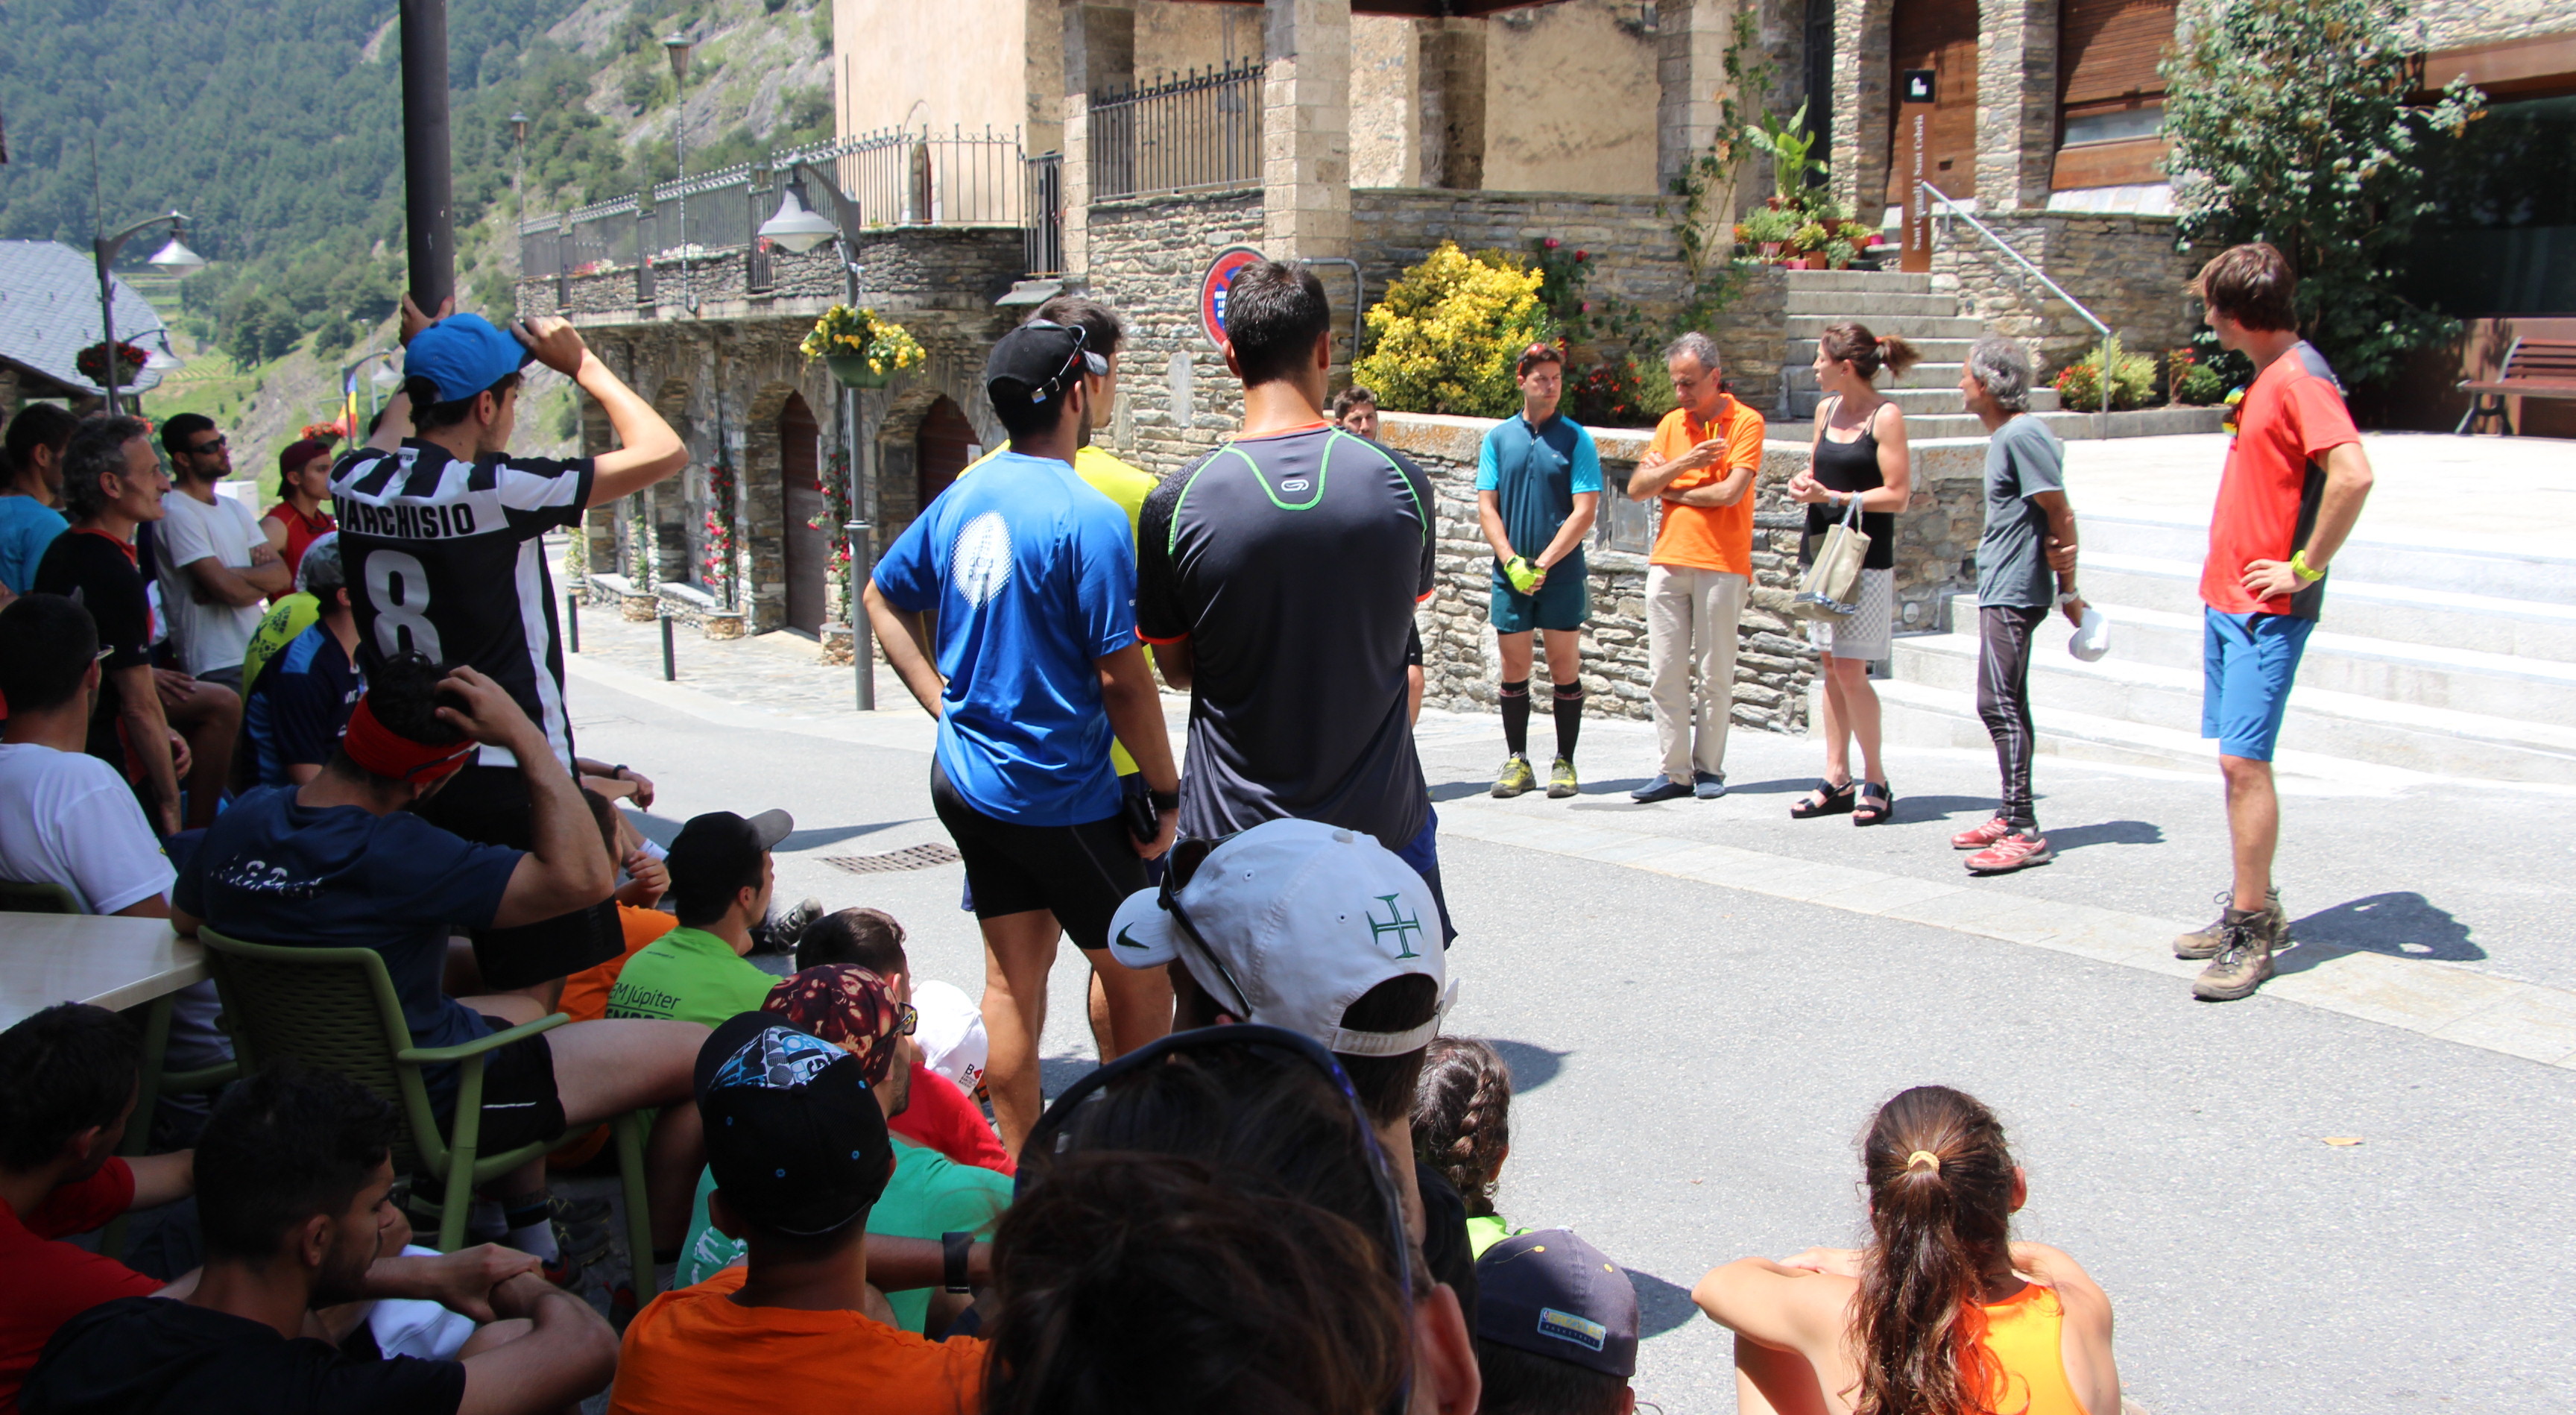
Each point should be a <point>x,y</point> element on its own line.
<point>911,857</point>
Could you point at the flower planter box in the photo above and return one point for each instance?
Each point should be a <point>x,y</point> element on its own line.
<point>722,624</point>
<point>852,371</point>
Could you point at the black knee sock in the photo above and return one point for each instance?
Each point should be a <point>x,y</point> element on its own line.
<point>1516,706</point>
<point>1569,718</point>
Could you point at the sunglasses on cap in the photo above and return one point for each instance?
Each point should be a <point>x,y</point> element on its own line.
<point>1275,1045</point>
<point>1183,866</point>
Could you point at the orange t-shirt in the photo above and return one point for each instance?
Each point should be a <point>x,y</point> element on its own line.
<point>2276,476</point>
<point>696,1351</point>
<point>585,994</point>
<point>1708,537</point>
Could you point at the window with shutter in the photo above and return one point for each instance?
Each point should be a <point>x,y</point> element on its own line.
<point>2107,51</point>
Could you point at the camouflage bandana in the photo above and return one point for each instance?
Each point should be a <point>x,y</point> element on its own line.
<point>846,1005</point>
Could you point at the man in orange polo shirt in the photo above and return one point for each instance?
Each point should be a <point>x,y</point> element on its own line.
<point>1701,467</point>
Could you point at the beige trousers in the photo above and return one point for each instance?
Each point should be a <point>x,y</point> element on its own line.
<point>1690,649</point>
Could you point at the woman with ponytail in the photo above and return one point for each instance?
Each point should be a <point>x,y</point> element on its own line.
<point>1858,454</point>
<point>1942,1314</point>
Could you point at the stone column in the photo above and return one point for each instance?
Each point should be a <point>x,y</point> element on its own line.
<point>2016,103</point>
<point>1690,70</point>
<point>1861,97</point>
<point>1099,55</point>
<point>1449,101</point>
<point>1306,129</point>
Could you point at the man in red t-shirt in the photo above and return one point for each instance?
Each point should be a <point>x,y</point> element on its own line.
<point>66,1090</point>
<point>2295,481</point>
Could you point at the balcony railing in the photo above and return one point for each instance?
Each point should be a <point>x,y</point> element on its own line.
<point>909,177</point>
<point>1043,222</point>
<point>1199,130</point>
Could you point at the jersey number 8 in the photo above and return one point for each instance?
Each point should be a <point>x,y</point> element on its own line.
<point>398,586</point>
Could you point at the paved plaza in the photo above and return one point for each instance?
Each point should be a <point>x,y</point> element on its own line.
<point>1703,1002</point>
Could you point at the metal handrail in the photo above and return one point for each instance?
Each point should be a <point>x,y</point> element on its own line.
<point>2102,383</point>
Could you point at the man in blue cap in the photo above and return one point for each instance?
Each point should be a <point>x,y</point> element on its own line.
<point>440,533</point>
<point>1556,1328</point>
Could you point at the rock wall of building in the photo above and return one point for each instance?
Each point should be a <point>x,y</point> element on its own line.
<point>1175,398</point>
<point>2451,23</point>
<point>2123,268</point>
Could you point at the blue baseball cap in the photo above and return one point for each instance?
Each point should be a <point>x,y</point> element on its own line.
<point>1551,1294</point>
<point>464,354</point>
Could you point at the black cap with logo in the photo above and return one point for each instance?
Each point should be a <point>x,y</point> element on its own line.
<point>1550,1293</point>
<point>794,1136</point>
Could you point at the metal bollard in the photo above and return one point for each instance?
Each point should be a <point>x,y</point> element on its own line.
<point>572,622</point>
<point>670,665</point>
<point>863,657</point>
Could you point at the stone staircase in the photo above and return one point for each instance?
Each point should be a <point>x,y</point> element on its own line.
<point>1892,303</point>
<point>2442,661</point>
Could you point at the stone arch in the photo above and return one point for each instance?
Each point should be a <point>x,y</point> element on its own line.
<point>757,480</point>
<point>894,428</point>
<point>666,506</point>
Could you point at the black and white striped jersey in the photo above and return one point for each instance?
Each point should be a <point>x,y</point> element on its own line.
<point>444,558</point>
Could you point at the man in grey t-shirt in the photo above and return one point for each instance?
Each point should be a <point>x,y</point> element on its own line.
<point>2025,564</point>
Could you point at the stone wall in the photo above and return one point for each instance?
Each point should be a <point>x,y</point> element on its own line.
<point>2124,268</point>
<point>1635,257</point>
<point>1935,543</point>
<point>2449,23</point>
<point>1175,398</point>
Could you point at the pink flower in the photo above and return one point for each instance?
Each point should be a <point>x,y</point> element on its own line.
<point>1550,243</point>
<point>1587,307</point>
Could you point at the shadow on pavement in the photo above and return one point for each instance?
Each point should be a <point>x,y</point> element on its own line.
<point>1532,1065</point>
<point>2106,833</point>
<point>835,834</point>
<point>1456,790</point>
<point>2401,924</point>
<point>1661,1306</point>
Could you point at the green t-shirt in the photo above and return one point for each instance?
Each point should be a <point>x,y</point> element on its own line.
<point>1485,1232</point>
<point>691,975</point>
<point>929,1195</point>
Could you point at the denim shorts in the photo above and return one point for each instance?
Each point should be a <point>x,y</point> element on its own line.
<point>2247,662</point>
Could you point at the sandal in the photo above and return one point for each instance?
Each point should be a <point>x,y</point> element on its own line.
<point>1876,805</point>
<point>1826,800</point>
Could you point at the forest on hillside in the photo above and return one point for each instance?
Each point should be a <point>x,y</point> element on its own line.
<point>277,126</point>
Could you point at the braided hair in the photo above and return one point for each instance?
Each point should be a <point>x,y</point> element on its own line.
<point>1462,1117</point>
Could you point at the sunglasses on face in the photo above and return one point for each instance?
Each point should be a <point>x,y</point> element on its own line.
<point>911,1017</point>
<point>206,449</point>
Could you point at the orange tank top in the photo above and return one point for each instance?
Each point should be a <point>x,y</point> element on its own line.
<point>2023,1333</point>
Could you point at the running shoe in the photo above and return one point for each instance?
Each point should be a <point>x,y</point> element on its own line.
<point>1662,788</point>
<point>2013,852</point>
<point>2205,942</point>
<point>1991,833</point>
<point>1518,778</point>
<point>781,932</point>
<point>1560,780</point>
<point>2244,958</point>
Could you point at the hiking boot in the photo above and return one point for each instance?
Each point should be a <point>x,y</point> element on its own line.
<point>1708,785</point>
<point>2013,852</point>
<point>2244,957</point>
<point>1518,778</point>
<point>1662,788</point>
<point>2205,942</point>
<point>1993,832</point>
<point>1560,780</point>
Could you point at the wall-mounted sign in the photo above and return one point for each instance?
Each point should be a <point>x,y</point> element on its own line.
<point>1917,86</point>
<point>1915,89</point>
<point>1229,263</point>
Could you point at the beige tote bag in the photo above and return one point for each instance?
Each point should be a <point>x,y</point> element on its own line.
<point>1830,590</point>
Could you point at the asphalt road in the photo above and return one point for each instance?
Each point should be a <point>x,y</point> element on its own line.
<point>1696,1061</point>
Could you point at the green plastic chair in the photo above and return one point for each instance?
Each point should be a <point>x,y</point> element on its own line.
<point>21,896</point>
<point>336,1009</point>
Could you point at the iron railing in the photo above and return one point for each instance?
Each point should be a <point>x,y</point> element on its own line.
<point>915,177</point>
<point>2102,384</point>
<point>1042,224</point>
<point>1199,130</point>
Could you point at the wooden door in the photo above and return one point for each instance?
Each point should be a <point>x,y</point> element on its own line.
<point>942,448</point>
<point>1940,35</point>
<point>808,549</point>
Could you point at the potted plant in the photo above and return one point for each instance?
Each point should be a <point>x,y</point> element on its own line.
<point>1810,242</point>
<point>92,363</point>
<point>1790,147</point>
<point>862,350</point>
<point>1767,230</point>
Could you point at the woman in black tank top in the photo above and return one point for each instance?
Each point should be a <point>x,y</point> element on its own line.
<point>1858,452</point>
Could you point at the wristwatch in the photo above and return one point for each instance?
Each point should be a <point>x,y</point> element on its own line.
<point>617,772</point>
<point>2067,597</point>
<point>1163,800</point>
<point>953,1248</point>
<point>2299,567</point>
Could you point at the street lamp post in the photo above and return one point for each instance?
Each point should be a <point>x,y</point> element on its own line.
<point>174,258</point>
<point>677,46</point>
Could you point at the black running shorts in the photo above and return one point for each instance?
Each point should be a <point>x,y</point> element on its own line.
<point>489,806</point>
<point>1080,873</point>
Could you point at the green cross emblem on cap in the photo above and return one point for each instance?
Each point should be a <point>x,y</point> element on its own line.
<point>1396,923</point>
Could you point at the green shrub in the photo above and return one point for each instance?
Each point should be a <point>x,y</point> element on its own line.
<point>1445,337</point>
<point>2132,380</point>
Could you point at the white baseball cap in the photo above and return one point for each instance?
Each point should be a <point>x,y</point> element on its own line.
<point>950,1033</point>
<point>1294,921</point>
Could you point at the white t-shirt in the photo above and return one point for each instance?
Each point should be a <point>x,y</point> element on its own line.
<point>67,818</point>
<point>211,636</point>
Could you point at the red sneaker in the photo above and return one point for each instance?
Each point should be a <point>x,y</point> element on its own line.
<point>2013,852</point>
<point>1982,836</point>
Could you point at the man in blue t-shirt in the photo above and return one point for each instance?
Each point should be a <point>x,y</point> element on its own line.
<point>343,862</point>
<point>31,486</point>
<point>1032,575</point>
<point>292,716</point>
<point>1538,486</point>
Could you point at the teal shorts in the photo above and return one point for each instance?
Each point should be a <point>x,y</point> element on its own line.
<point>1564,602</point>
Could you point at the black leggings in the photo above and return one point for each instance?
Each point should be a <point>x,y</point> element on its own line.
<point>2003,701</point>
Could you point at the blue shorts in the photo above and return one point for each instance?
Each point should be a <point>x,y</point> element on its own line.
<point>2248,661</point>
<point>1564,602</point>
<point>1423,853</point>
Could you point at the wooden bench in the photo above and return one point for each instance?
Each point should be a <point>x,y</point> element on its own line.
<point>2533,368</point>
